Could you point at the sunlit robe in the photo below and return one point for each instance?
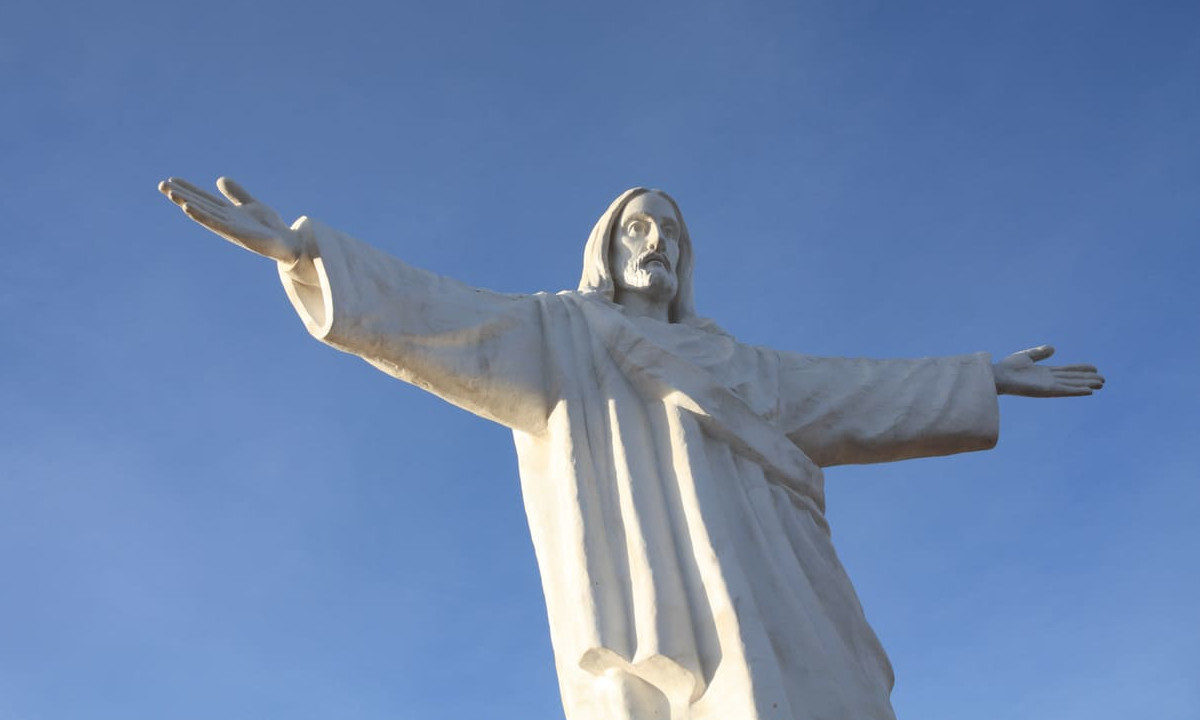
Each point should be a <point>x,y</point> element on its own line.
<point>671,477</point>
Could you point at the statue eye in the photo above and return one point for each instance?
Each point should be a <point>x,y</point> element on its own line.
<point>670,231</point>
<point>638,227</point>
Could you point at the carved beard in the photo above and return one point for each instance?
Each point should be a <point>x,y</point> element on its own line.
<point>656,280</point>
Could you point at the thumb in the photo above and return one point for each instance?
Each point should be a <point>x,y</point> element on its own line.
<point>1041,352</point>
<point>236,193</point>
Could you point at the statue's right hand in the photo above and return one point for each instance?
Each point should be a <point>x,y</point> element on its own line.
<point>241,219</point>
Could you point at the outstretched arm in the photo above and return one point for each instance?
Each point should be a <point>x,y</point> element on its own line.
<point>239,219</point>
<point>856,410</point>
<point>1018,374</point>
<point>480,350</point>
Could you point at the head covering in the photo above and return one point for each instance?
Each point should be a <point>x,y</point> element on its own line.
<point>597,273</point>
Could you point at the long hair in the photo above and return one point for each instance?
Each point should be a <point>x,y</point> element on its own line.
<point>597,273</point>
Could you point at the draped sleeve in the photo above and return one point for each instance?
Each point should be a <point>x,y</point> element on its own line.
<point>478,349</point>
<point>853,410</point>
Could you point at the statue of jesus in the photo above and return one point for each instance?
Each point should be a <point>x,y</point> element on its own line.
<point>672,475</point>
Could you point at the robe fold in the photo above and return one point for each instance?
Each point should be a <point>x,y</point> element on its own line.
<point>671,476</point>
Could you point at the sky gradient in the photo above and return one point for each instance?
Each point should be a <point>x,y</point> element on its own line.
<point>205,513</point>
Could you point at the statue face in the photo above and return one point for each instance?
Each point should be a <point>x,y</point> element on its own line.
<point>645,248</point>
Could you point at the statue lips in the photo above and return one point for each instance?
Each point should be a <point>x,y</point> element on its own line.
<point>655,257</point>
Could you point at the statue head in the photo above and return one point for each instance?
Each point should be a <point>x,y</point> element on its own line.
<point>638,246</point>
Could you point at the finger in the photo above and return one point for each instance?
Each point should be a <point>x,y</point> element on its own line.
<point>181,198</point>
<point>171,193</point>
<point>180,195</point>
<point>1094,383</point>
<point>218,221</point>
<point>1077,368</point>
<point>1036,354</point>
<point>176,194</point>
<point>1060,375</point>
<point>187,186</point>
<point>204,217</point>
<point>233,191</point>
<point>1081,385</point>
<point>1079,377</point>
<point>1061,390</point>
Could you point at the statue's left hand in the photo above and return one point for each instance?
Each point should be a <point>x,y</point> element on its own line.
<point>1018,374</point>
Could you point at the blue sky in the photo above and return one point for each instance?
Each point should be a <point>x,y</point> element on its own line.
<point>205,513</point>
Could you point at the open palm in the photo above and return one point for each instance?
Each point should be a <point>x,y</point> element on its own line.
<point>237,217</point>
<point>1019,374</point>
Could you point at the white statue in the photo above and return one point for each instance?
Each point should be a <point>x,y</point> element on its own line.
<point>671,475</point>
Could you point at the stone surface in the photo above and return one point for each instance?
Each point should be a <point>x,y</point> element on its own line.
<point>671,475</point>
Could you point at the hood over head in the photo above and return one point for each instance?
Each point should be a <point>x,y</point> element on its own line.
<point>597,269</point>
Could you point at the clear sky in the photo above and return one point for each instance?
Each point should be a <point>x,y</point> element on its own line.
<point>205,513</point>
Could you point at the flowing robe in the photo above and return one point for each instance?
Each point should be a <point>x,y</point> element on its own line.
<point>671,476</point>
